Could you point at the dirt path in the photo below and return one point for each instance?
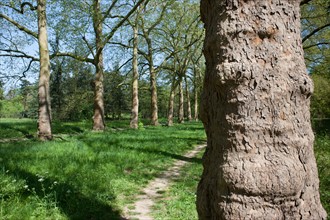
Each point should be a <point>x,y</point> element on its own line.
<point>155,189</point>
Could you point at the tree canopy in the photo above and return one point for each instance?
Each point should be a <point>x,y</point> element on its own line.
<point>169,50</point>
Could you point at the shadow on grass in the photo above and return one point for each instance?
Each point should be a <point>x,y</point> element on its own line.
<point>17,129</point>
<point>66,129</point>
<point>68,199</point>
<point>118,144</point>
<point>321,126</point>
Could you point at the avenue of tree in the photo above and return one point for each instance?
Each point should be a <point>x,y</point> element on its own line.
<point>164,43</point>
<point>107,59</point>
<point>105,53</point>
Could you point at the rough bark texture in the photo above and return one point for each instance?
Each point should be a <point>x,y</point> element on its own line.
<point>135,84</point>
<point>181,100</point>
<point>44,112</point>
<point>259,162</point>
<point>98,118</point>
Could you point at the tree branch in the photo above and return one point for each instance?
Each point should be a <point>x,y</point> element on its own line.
<point>20,27</point>
<point>28,68</point>
<point>314,32</point>
<point>106,14</point>
<point>159,19</point>
<point>303,2</point>
<point>315,45</point>
<point>74,56</point>
<point>115,28</point>
<point>89,46</point>
<point>21,10</point>
<point>19,54</point>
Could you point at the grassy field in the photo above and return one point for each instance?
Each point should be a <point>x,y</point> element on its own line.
<point>83,174</point>
<point>179,201</point>
<point>88,175</point>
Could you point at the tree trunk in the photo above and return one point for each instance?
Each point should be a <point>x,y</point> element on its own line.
<point>195,94</point>
<point>98,118</point>
<point>171,104</point>
<point>154,99</point>
<point>135,86</point>
<point>188,99</point>
<point>259,162</point>
<point>44,112</point>
<point>181,100</point>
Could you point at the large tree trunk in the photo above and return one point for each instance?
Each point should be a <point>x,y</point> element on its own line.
<point>44,112</point>
<point>259,162</point>
<point>135,86</point>
<point>195,94</point>
<point>154,98</point>
<point>181,100</point>
<point>171,103</point>
<point>188,99</point>
<point>98,118</point>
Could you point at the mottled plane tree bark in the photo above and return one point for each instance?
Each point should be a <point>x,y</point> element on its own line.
<point>134,123</point>
<point>148,27</point>
<point>181,100</point>
<point>44,111</point>
<point>171,102</point>
<point>98,117</point>
<point>44,106</point>
<point>259,162</point>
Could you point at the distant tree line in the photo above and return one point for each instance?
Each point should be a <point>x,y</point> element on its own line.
<point>137,59</point>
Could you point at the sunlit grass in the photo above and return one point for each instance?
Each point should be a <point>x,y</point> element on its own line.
<point>322,150</point>
<point>179,202</point>
<point>88,175</point>
<point>84,174</point>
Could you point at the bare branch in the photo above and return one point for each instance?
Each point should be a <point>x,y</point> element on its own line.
<point>17,54</point>
<point>74,56</point>
<point>316,45</point>
<point>28,68</point>
<point>106,14</point>
<point>160,18</point>
<point>20,27</point>
<point>89,46</point>
<point>119,24</point>
<point>315,31</point>
<point>21,10</point>
<point>303,2</point>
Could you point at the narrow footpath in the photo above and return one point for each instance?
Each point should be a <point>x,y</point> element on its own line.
<point>156,187</point>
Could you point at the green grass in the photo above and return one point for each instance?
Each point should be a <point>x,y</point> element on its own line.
<point>322,151</point>
<point>83,174</point>
<point>88,175</point>
<point>179,201</point>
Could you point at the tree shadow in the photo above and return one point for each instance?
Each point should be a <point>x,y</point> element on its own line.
<point>174,156</point>
<point>69,199</point>
<point>59,127</point>
<point>321,126</point>
<point>117,144</point>
<point>27,129</point>
<point>23,127</point>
